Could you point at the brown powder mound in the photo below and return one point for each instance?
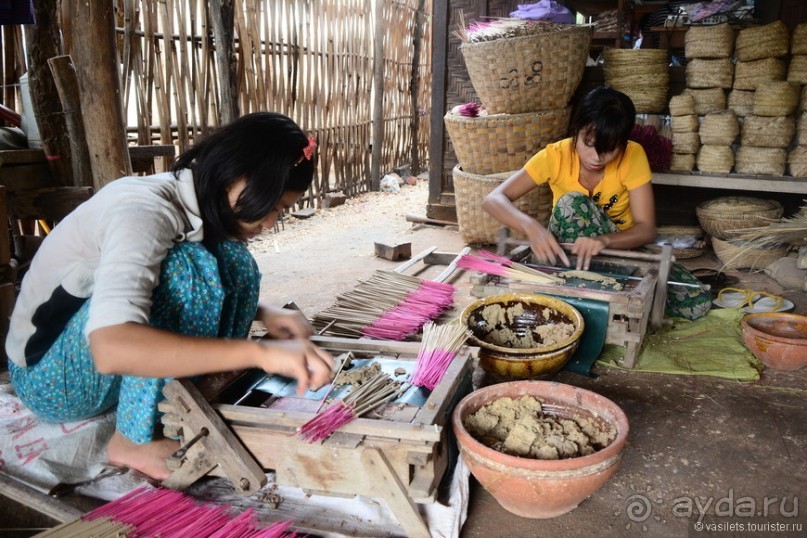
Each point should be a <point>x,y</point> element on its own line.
<point>359,376</point>
<point>520,428</point>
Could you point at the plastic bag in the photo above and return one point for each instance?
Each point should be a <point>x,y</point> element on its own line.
<point>547,10</point>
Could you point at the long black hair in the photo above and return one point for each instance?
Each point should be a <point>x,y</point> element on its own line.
<point>609,113</point>
<point>263,148</point>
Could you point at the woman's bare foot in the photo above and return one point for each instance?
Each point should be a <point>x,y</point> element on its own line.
<point>148,458</point>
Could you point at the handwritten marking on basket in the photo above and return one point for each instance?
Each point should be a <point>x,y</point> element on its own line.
<point>529,79</point>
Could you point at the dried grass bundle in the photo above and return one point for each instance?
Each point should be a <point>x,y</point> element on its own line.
<point>741,102</point>
<point>719,129</point>
<point>715,159</point>
<point>798,42</point>
<point>797,70</point>
<point>736,254</point>
<point>686,142</point>
<point>749,75</point>
<point>776,98</point>
<point>685,124</point>
<point>682,162</point>
<point>768,41</point>
<point>682,105</point>
<point>502,28</point>
<point>710,73</point>
<point>764,161</point>
<point>767,132</point>
<point>792,231</point>
<point>708,100</point>
<point>715,41</point>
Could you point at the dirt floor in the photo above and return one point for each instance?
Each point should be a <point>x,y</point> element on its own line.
<point>705,455</point>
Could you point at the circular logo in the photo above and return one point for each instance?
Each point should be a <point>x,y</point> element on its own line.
<point>638,508</point>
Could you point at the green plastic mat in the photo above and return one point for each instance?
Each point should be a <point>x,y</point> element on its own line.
<point>711,346</point>
<point>595,317</point>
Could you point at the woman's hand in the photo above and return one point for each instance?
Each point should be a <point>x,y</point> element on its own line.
<point>586,248</point>
<point>298,359</point>
<point>284,323</point>
<point>545,247</point>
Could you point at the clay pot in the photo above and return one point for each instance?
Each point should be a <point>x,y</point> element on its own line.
<point>522,362</point>
<point>534,488</point>
<point>778,340</point>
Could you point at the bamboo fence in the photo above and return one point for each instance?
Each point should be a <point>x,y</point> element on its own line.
<point>310,59</point>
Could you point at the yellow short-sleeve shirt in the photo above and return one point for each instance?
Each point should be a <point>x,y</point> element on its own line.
<point>559,165</point>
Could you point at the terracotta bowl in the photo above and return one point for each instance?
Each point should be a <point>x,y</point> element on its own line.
<point>500,356</point>
<point>777,339</point>
<point>535,488</point>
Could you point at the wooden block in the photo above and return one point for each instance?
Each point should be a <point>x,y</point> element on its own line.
<point>333,199</point>
<point>401,251</point>
<point>304,213</point>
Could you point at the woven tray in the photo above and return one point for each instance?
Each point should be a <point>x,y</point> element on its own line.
<point>528,73</point>
<point>475,225</point>
<point>719,215</point>
<point>501,142</point>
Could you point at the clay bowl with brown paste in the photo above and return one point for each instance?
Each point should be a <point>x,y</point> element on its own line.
<point>523,335</point>
<point>777,339</point>
<point>537,488</point>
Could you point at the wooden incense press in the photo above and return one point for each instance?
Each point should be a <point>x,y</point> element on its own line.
<point>399,453</point>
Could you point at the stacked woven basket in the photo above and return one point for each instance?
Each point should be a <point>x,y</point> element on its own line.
<point>641,74</point>
<point>525,84</point>
<point>797,74</point>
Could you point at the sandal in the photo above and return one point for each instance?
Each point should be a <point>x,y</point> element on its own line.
<point>745,299</point>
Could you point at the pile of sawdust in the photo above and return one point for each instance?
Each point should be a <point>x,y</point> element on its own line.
<point>520,428</point>
<point>359,376</point>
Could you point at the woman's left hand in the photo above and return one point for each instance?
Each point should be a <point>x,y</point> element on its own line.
<point>586,248</point>
<point>284,324</point>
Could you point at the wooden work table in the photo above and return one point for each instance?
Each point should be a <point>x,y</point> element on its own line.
<point>767,184</point>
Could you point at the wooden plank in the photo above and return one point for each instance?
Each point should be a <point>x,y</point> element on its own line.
<point>27,496</point>
<point>26,177</point>
<point>767,184</point>
<point>50,204</point>
<point>21,156</point>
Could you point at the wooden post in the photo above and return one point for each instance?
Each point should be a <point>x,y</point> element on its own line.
<point>94,57</point>
<point>43,42</point>
<point>440,19</point>
<point>222,13</point>
<point>378,96</point>
<point>64,76</point>
<point>414,85</point>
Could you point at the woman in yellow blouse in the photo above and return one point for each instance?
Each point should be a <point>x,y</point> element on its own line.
<point>601,194</point>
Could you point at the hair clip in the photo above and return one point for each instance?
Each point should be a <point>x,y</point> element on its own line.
<point>308,151</point>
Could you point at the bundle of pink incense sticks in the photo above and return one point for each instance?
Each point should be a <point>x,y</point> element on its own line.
<point>164,513</point>
<point>439,346</point>
<point>492,264</point>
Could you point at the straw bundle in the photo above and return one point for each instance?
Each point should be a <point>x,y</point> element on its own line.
<point>777,98</point>
<point>642,74</point>
<point>682,105</point>
<point>737,254</point>
<point>715,159</point>
<point>716,41</point>
<point>798,43</point>
<point>764,161</point>
<point>501,142</point>
<point>719,215</point>
<point>797,161</point>
<point>719,129</point>
<point>708,100</point>
<point>792,230</point>
<point>707,73</point>
<point>686,142</point>
<point>768,41</point>
<point>741,102</point>
<point>767,132</point>
<point>682,162</point>
<point>684,124</point>
<point>797,71</point>
<point>749,75</point>
<point>801,129</point>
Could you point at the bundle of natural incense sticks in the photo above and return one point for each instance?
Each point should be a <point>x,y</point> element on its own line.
<point>152,512</point>
<point>487,262</point>
<point>378,390</point>
<point>387,306</point>
<point>439,346</point>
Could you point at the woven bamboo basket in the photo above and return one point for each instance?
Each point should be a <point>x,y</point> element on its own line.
<point>708,100</point>
<point>684,124</point>
<point>768,41</point>
<point>501,142</point>
<point>741,102</point>
<point>682,105</point>
<point>710,73</point>
<point>528,73</point>
<point>642,74</point>
<point>715,159</point>
<point>797,70</point>
<point>797,161</point>
<point>767,131</point>
<point>740,255</point>
<point>682,162</point>
<point>719,215</point>
<point>749,75</point>
<point>719,129</point>
<point>777,98</point>
<point>798,42</point>
<point>686,143</point>
<point>475,225</point>
<point>715,41</point>
<point>801,129</point>
<point>760,161</point>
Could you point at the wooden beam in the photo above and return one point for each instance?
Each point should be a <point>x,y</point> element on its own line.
<point>378,96</point>
<point>222,15</point>
<point>50,204</point>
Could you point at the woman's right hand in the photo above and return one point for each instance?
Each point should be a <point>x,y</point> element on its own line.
<point>546,248</point>
<point>298,359</point>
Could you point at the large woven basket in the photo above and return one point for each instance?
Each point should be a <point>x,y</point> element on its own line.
<point>501,142</point>
<point>740,255</point>
<point>715,159</point>
<point>686,142</point>
<point>684,124</point>
<point>778,98</point>
<point>682,162</point>
<point>798,42</point>
<point>768,41</point>
<point>715,41</point>
<point>642,74</point>
<point>767,132</point>
<point>749,75</point>
<point>528,73</point>
<point>475,225</point>
<point>797,161</point>
<point>741,102</point>
<point>797,70</point>
<point>719,128</point>
<point>719,215</point>
<point>682,105</point>
<point>710,73</point>
<point>801,129</point>
<point>760,161</point>
<point>708,100</point>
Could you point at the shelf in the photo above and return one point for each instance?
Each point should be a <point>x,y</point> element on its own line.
<point>783,184</point>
